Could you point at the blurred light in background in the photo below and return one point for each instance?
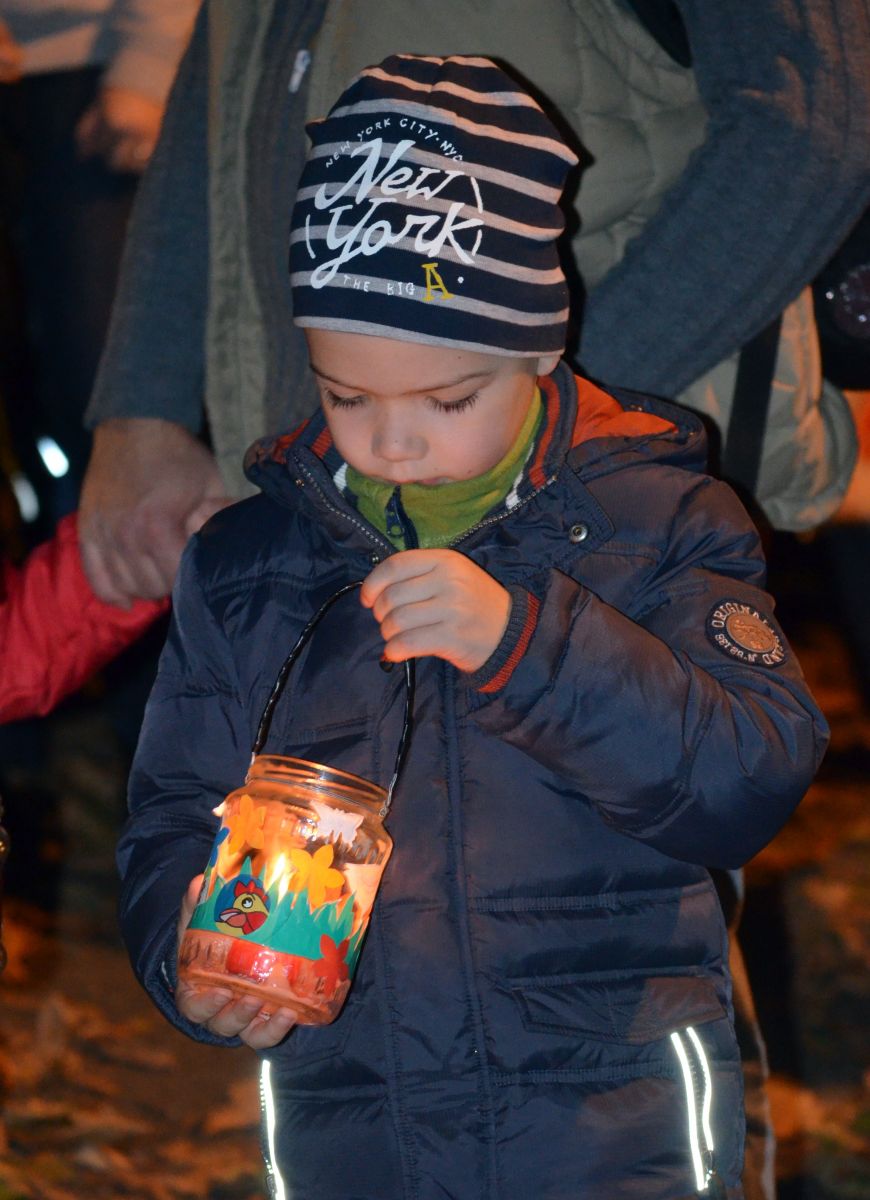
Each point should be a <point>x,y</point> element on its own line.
<point>56,462</point>
<point>25,494</point>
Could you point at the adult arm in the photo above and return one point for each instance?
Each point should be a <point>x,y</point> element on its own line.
<point>150,482</point>
<point>149,37</point>
<point>152,365</point>
<point>54,631</point>
<point>782,175</point>
<point>673,740</point>
<point>123,122</point>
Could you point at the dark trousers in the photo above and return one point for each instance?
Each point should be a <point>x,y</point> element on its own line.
<point>62,226</point>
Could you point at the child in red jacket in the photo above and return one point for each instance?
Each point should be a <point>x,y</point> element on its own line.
<point>54,632</point>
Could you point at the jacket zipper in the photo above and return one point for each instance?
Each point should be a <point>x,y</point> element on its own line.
<point>374,536</point>
<point>362,526</point>
<point>502,515</point>
<point>698,1083</point>
<point>277,1191</point>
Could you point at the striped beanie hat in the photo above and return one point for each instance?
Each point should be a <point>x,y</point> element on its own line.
<point>428,211</point>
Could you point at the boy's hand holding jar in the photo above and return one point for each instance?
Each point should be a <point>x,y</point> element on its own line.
<point>222,1013</point>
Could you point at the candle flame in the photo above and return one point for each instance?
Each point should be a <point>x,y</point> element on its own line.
<point>279,871</point>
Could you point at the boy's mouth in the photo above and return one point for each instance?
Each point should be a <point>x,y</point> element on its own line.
<point>435,482</point>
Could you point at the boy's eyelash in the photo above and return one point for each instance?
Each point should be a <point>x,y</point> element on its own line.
<point>453,406</point>
<point>343,401</point>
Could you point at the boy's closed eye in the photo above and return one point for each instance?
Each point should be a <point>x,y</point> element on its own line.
<point>448,406</point>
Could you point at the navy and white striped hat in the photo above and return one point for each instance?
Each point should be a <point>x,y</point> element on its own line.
<point>428,211</point>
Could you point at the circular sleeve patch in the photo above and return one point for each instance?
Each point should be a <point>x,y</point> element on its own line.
<point>742,632</point>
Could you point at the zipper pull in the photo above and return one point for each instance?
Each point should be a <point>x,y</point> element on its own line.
<point>714,1188</point>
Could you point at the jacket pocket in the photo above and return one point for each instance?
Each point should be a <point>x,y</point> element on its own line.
<point>663,1014</point>
<point>626,1007</point>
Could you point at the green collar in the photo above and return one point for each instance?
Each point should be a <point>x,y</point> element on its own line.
<point>416,515</point>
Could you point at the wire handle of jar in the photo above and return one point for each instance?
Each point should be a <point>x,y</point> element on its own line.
<point>286,666</point>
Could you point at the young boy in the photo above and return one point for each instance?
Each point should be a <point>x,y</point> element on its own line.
<point>605,705</point>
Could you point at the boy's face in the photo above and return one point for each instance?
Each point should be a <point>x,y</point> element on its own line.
<point>405,412</point>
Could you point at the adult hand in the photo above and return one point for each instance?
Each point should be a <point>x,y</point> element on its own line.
<point>149,485</point>
<point>122,125</point>
<point>220,1010</point>
<point>437,602</point>
<point>11,56</point>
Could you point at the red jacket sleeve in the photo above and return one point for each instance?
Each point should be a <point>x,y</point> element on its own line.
<point>54,632</point>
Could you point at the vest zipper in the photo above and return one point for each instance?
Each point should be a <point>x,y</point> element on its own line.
<point>698,1083</point>
<point>275,1182</point>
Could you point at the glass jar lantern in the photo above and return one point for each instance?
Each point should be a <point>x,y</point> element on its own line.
<point>292,876</point>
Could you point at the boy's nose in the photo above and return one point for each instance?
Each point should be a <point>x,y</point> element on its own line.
<point>395,442</point>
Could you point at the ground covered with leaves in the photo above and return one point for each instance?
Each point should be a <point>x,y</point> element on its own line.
<point>102,1099</point>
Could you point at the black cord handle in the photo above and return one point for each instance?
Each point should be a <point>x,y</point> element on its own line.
<point>278,688</point>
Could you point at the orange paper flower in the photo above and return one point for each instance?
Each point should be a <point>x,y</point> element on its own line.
<point>315,871</point>
<point>246,827</point>
<point>332,968</point>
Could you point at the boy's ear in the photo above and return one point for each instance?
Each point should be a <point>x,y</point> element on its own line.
<point>548,363</point>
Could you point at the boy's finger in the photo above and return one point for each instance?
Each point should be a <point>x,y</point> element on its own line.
<point>268,1028</point>
<point>201,1004</point>
<point>405,593</point>
<point>418,643</point>
<point>407,564</point>
<point>188,903</point>
<point>234,1017</point>
<point>409,618</point>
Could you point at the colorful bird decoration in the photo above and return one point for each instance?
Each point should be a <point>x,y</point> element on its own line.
<point>242,906</point>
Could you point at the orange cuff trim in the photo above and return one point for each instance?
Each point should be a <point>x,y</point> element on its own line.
<point>498,681</point>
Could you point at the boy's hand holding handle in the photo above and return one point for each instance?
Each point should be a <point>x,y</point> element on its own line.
<point>437,602</point>
<point>222,1012</point>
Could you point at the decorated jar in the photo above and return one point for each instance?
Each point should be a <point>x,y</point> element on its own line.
<point>289,887</point>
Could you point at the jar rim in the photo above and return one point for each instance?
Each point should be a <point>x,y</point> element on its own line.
<point>302,770</point>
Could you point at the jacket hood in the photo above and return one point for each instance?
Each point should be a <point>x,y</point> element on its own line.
<point>593,431</point>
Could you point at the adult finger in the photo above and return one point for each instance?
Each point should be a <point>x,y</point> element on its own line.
<point>130,152</point>
<point>117,561</point>
<point>90,132</point>
<point>204,511</point>
<point>102,579</point>
<point>137,573</point>
<point>147,549</point>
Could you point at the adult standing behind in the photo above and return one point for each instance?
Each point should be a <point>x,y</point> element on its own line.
<point>738,174</point>
<point>83,84</point>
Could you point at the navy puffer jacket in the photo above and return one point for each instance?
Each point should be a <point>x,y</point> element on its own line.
<point>542,1006</point>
